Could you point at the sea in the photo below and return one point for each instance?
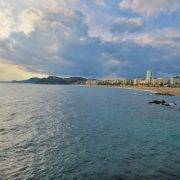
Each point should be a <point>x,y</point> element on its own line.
<point>73,132</point>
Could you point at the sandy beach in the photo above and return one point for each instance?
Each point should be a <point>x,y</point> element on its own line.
<point>174,91</point>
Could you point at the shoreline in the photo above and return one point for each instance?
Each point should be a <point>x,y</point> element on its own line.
<point>153,90</point>
<point>163,90</point>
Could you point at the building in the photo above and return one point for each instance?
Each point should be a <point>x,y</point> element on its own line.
<point>164,82</point>
<point>149,76</point>
<point>175,81</point>
<point>138,82</point>
<point>127,82</point>
<point>155,82</point>
<point>91,82</point>
<point>142,82</point>
<point>135,82</point>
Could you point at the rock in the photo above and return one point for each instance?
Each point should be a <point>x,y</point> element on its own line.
<point>163,102</point>
<point>2,129</point>
<point>157,102</point>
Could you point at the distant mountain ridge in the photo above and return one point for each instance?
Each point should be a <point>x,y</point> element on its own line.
<point>54,80</point>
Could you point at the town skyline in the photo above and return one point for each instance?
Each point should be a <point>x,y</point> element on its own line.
<point>148,81</point>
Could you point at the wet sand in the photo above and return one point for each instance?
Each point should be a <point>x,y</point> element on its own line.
<point>173,91</point>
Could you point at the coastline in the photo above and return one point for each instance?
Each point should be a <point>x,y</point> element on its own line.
<point>163,90</point>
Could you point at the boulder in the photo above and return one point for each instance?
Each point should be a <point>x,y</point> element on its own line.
<point>157,102</point>
<point>162,102</point>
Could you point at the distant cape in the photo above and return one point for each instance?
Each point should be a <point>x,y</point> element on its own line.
<point>54,80</point>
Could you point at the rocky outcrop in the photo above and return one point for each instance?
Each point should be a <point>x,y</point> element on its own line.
<point>162,102</point>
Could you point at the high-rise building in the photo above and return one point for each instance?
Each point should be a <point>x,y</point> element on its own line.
<point>149,75</point>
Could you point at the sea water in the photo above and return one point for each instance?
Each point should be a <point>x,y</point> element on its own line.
<point>77,132</point>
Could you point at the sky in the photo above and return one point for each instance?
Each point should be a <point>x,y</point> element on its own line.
<point>89,38</point>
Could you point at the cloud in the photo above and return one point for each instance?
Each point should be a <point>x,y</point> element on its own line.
<point>135,58</point>
<point>83,38</point>
<point>28,20</point>
<point>151,7</point>
<point>19,5</point>
<point>167,37</point>
<point>100,2</point>
<point>60,46</point>
<point>10,71</point>
<point>25,22</point>
<point>7,23</point>
<point>125,25</point>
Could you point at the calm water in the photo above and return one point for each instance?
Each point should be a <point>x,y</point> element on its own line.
<point>73,132</point>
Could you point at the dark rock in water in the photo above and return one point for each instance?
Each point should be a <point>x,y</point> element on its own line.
<point>2,129</point>
<point>157,102</point>
<point>163,102</point>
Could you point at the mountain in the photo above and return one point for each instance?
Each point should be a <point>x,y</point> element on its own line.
<point>54,80</point>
